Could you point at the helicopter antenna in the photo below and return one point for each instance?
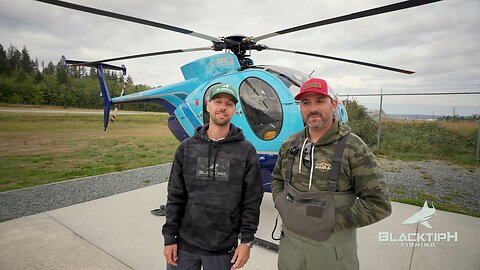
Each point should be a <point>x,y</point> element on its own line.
<point>310,75</point>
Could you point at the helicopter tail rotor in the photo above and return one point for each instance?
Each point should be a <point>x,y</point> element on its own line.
<point>107,100</point>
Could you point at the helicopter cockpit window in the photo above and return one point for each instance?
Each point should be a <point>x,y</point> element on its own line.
<point>261,107</point>
<point>293,79</point>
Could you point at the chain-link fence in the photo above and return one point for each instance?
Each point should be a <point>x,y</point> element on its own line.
<point>440,125</point>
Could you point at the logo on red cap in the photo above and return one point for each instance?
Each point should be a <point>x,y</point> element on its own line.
<point>315,85</point>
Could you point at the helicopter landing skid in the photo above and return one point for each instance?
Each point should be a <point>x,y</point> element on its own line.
<point>268,224</point>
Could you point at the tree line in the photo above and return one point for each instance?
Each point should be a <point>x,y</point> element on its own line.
<point>24,80</point>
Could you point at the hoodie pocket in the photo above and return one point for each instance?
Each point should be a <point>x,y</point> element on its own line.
<point>211,226</point>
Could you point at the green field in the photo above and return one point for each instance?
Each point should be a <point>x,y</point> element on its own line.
<point>40,148</point>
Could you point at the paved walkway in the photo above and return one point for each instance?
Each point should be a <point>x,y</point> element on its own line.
<point>119,232</point>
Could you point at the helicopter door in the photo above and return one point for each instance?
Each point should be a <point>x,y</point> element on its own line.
<point>262,108</point>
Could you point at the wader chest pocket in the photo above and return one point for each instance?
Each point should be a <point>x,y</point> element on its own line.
<point>311,215</point>
<point>314,208</point>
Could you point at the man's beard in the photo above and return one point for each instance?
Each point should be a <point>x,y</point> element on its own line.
<point>317,123</point>
<point>219,122</point>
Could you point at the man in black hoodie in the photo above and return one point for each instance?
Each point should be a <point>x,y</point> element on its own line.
<point>214,193</point>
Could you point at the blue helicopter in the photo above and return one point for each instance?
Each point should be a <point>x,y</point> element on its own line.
<point>266,111</point>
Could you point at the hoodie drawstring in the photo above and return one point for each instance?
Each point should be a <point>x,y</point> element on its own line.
<point>213,145</point>
<point>312,163</point>
<point>209,154</point>
<point>215,159</point>
<point>301,156</point>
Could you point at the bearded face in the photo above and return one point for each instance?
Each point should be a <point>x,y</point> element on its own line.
<point>317,110</point>
<point>221,109</point>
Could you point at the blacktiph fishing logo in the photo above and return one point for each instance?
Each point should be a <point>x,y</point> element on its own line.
<point>416,238</point>
<point>422,216</point>
<point>210,171</point>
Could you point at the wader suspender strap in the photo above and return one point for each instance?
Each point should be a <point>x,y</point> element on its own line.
<point>291,158</point>
<point>336,162</point>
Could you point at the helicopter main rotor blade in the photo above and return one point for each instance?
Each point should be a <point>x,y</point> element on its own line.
<point>129,18</point>
<point>352,16</point>
<point>146,55</point>
<point>344,60</point>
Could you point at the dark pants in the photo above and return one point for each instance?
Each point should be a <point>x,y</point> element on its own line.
<point>190,261</point>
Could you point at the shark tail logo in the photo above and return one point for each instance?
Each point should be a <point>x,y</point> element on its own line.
<point>422,216</point>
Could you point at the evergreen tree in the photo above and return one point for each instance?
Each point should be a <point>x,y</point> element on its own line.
<point>3,60</point>
<point>62,73</point>
<point>36,68</point>
<point>50,69</point>
<point>38,77</point>
<point>92,73</point>
<point>13,58</point>
<point>23,81</point>
<point>26,64</point>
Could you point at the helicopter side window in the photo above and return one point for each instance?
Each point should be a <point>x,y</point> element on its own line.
<point>261,107</point>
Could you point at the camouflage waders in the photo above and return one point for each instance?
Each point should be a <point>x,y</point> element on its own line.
<point>301,253</point>
<point>308,218</point>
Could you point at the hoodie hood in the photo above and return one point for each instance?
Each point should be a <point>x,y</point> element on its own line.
<point>235,134</point>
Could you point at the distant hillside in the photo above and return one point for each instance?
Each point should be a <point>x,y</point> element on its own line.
<point>374,115</point>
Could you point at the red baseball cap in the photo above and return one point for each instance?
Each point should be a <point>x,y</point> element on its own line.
<point>315,85</point>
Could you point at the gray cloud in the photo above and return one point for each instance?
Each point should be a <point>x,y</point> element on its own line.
<point>439,41</point>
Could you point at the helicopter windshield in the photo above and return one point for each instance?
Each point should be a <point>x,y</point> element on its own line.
<point>261,107</point>
<point>292,78</point>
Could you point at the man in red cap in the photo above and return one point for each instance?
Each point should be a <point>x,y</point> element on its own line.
<point>325,184</point>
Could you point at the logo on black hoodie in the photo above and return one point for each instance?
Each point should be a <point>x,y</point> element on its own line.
<point>206,171</point>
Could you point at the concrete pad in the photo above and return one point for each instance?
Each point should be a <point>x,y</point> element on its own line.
<point>375,254</point>
<point>396,253</point>
<point>119,232</point>
<point>122,225</point>
<point>460,249</point>
<point>39,242</point>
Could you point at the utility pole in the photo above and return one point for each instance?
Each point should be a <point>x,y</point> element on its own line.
<point>379,119</point>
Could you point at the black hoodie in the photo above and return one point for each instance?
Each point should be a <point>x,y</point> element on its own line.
<point>210,205</point>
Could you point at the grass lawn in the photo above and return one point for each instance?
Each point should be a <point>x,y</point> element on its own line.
<point>40,148</point>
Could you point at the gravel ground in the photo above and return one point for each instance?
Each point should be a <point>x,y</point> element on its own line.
<point>435,181</point>
<point>29,201</point>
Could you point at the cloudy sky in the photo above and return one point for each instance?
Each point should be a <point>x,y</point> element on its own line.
<point>439,41</point>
